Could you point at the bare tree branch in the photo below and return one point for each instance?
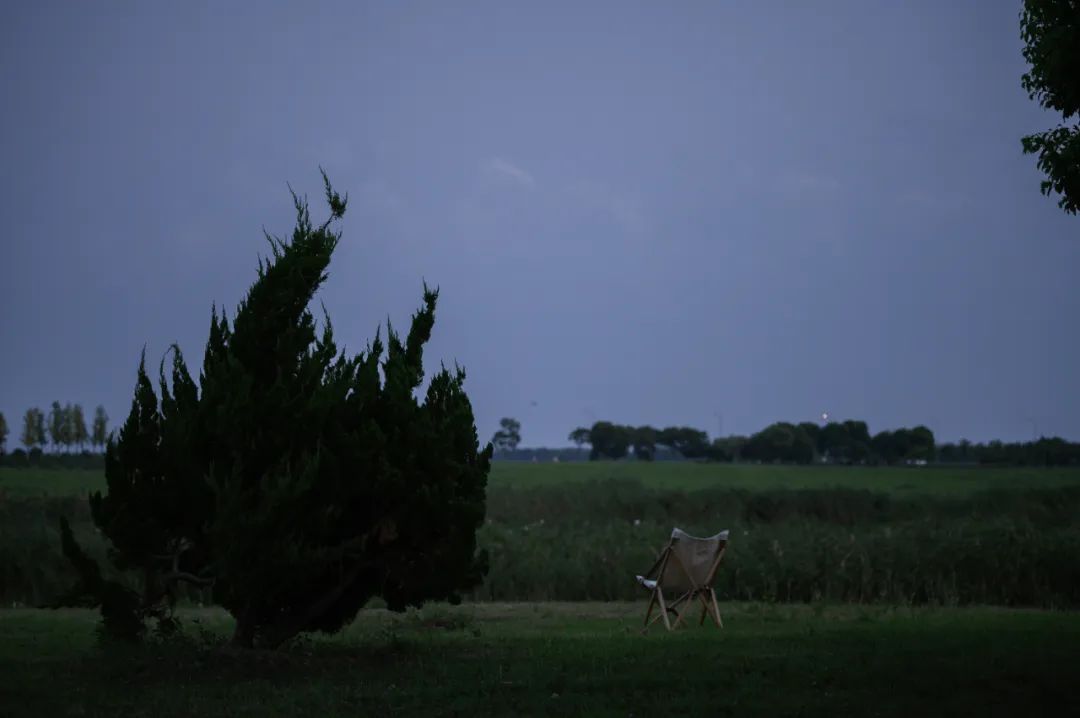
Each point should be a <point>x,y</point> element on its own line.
<point>191,578</point>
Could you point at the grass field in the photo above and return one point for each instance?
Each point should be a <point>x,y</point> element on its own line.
<point>577,532</point>
<point>896,481</point>
<point>565,660</point>
<point>889,570</point>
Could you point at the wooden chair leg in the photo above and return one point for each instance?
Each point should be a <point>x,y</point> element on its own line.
<point>716,609</point>
<point>663,609</point>
<point>681,606</point>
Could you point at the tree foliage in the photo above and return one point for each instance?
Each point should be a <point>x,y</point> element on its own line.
<point>77,435</point>
<point>691,443</point>
<point>33,431</point>
<point>615,441</point>
<point>643,442</point>
<point>915,444</point>
<point>609,441</point>
<point>847,442</point>
<point>508,436</point>
<point>122,612</point>
<point>780,442</point>
<point>1046,451</point>
<point>99,433</point>
<point>3,433</point>
<point>58,426</point>
<point>1050,30</point>
<point>297,480</point>
<point>580,436</point>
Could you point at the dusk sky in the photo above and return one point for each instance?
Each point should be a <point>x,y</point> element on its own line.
<point>685,213</point>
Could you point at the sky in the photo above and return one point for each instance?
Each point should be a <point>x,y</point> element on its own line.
<point>715,214</point>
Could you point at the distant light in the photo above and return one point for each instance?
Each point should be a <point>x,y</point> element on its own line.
<point>824,416</point>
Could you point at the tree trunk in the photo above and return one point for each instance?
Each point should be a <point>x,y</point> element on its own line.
<point>290,626</point>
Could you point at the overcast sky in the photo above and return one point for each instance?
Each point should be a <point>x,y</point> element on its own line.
<point>666,213</point>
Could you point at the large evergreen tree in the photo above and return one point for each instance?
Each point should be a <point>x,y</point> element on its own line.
<point>3,433</point>
<point>298,480</point>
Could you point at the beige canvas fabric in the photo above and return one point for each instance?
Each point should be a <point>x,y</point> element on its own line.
<point>685,571</point>
<point>696,558</point>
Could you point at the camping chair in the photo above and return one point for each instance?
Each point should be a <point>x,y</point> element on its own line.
<point>685,570</point>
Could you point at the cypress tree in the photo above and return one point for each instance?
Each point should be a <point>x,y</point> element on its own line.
<point>297,480</point>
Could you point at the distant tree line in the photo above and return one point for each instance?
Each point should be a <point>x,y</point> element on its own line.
<point>616,441</point>
<point>847,442</point>
<point>1046,451</point>
<point>63,430</point>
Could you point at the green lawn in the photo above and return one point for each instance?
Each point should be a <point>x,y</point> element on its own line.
<point>565,660</point>
<point>898,481</point>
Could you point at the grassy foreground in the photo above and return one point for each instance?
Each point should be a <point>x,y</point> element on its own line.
<point>899,482</point>
<point>561,659</point>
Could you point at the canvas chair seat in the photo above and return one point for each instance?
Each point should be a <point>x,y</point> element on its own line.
<point>683,573</point>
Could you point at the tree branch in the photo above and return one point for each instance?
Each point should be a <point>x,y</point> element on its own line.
<point>191,578</point>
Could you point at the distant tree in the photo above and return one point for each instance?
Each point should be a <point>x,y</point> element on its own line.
<point>18,458</point>
<point>845,442</point>
<point>33,432</point>
<point>728,448</point>
<point>688,442</point>
<point>904,445</point>
<point>40,431</point>
<point>948,453</point>
<point>802,449</point>
<point>508,436</point>
<point>812,430</point>
<point>964,450</point>
<point>643,439</point>
<point>99,434</point>
<point>77,435</point>
<point>1050,30</point>
<point>922,444</point>
<point>889,446</point>
<point>3,433</point>
<point>580,436</point>
<point>780,442</point>
<point>857,431</point>
<point>58,426</point>
<point>609,441</point>
<point>833,441</point>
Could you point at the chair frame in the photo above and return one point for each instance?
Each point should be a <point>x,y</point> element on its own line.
<point>703,592</point>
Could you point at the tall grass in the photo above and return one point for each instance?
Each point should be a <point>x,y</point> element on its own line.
<point>1001,562</point>
<point>586,542</point>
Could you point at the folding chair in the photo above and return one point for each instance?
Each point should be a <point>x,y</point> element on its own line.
<point>685,571</point>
